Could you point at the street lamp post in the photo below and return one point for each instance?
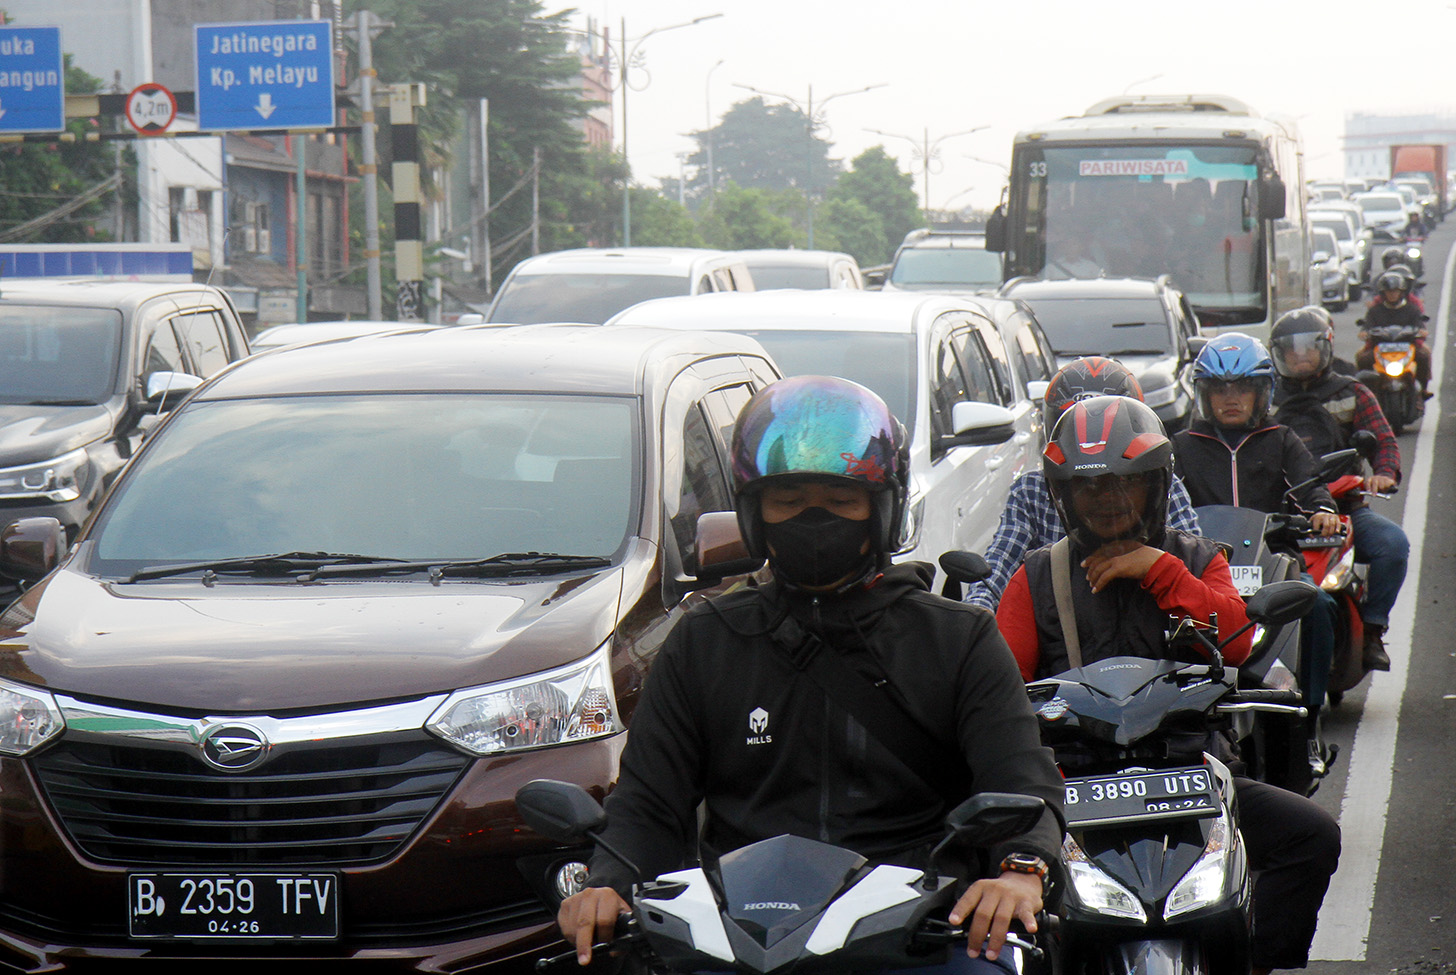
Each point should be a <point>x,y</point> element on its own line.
<point>811,121</point>
<point>627,53</point>
<point>925,151</point>
<point>708,118</point>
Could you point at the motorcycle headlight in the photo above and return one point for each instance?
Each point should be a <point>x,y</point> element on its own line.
<point>1413,253</point>
<point>28,718</point>
<point>1204,883</point>
<point>569,704</point>
<point>58,479</point>
<point>1393,367</point>
<point>1337,574</point>
<point>1097,891</point>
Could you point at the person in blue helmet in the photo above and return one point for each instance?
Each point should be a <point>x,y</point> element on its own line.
<point>744,711</point>
<point>1234,454</point>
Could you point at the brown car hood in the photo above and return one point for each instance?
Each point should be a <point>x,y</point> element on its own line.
<point>241,647</point>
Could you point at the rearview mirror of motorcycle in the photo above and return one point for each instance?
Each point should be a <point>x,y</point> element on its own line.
<point>1280,603</point>
<point>1365,442</point>
<point>967,567</point>
<point>988,818</point>
<point>1332,465</point>
<point>560,811</point>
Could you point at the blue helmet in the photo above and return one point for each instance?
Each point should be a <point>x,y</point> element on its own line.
<point>1234,357</point>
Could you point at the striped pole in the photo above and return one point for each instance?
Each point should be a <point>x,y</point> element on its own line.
<point>409,249</point>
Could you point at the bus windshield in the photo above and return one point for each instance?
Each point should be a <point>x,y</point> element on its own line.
<point>1145,210</point>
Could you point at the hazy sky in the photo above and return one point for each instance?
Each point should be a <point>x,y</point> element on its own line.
<point>952,65</point>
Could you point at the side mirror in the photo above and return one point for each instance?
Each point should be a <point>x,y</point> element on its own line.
<point>1272,198</point>
<point>1196,344</point>
<point>31,547</point>
<point>988,818</point>
<point>1036,390</point>
<point>996,229</point>
<point>965,566</point>
<point>874,277</point>
<point>1319,257</point>
<point>1280,603</point>
<point>1365,442</point>
<point>560,811</point>
<point>975,424</point>
<point>721,549</point>
<point>164,390</point>
<point>1332,465</point>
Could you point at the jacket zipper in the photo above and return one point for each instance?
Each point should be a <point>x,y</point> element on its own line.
<point>826,736</point>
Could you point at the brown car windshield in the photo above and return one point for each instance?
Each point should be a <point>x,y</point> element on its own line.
<point>411,477</point>
<point>58,356</point>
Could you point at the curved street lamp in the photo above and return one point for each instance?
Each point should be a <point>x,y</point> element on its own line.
<point>925,151</point>
<point>811,122</point>
<point>627,52</point>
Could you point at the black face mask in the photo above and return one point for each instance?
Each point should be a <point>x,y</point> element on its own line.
<point>817,548</point>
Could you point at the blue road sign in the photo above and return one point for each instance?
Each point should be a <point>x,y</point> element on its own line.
<point>32,80</point>
<point>276,74</point>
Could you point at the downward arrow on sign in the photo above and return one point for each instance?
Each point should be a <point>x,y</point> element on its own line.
<point>2,113</point>
<point>265,105</point>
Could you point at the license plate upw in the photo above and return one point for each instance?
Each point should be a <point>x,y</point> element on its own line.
<point>1130,796</point>
<point>233,905</point>
<point>1247,578</point>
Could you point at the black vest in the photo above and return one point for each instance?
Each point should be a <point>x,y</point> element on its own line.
<point>1322,413</point>
<point>1122,620</point>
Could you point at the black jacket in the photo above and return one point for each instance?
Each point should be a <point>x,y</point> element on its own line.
<point>725,718</point>
<point>1256,474</point>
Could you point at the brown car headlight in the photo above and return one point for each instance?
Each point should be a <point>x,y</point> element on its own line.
<point>572,703</point>
<point>28,718</point>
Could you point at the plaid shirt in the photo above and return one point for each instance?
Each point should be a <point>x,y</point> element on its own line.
<point>1030,521</point>
<point>1368,416</point>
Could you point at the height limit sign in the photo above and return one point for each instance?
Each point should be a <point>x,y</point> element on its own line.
<point>150,109</point>
<point>276,74</point>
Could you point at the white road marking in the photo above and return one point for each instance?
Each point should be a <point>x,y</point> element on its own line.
<point>1344,923</point>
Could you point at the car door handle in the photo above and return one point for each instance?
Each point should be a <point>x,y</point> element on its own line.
<point>994,462</point>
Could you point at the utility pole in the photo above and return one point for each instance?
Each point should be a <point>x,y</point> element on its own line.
<point>365,25</point>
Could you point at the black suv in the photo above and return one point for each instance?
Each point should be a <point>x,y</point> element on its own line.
<point>1146,325</point>
<point>86,369</point>
<point>277,700</point>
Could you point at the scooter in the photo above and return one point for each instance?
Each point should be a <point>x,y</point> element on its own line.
<point>787,904</point>
<point>1393,378</point>
<point>1289,754</point>
<point>1158,876</point>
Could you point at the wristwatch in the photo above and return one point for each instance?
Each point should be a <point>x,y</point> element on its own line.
<point>1025,863</point>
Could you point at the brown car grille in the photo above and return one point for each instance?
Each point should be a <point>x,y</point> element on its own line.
<point>332,804</point>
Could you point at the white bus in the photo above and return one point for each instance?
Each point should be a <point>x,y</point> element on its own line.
<point>1198,187</point>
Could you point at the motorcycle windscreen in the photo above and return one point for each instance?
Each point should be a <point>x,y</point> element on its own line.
<point>772,887</point>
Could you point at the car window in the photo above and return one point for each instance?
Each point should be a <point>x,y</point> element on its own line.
<point>206,342</point>
<point>1035,358</point>
<point>702,488</point>
<point>1104,326</point>
<point>705,285</point>
<point>163,353</point>
<point>723,406</point>
<point>948,387</point>
<point>528,299</point>
<point>989,341</point>
<point>58,355</point>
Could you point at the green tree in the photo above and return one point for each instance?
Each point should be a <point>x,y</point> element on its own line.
<point>846,224</point>
<point>41,179</point>
<point>740,218</point>
<point>660,222</point>
<point>761,146</point>
<point>520,59</point>
<point>874,181</point>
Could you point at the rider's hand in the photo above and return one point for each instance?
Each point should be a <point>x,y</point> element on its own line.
<point>1325,522</point>
<point>589,916</point>
<point>991,906</point>
<point>1123,559</point>
<point>1376,483</point>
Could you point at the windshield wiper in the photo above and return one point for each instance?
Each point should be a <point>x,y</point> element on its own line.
<point>506,564</point>
<point>278,564</point>
<point>61,402</point>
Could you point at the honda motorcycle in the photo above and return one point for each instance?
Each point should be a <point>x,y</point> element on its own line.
<point>1158,879</point>
<point>788,903</point>
<point>1393,376</point>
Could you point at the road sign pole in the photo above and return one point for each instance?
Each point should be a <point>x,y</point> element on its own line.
<point>409,249</point>
<point>369,167</point>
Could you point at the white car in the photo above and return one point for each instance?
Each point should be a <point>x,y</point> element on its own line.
<point>1385,213</point>
<point>776,268</point>
<point>941,363</point>
<point>1327,269</point>
<point>1353,240</point>
<point>307,333</point>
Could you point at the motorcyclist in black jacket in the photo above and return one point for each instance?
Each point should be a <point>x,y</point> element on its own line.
<point>733,717</point>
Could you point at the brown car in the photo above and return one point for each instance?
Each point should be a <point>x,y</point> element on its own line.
<point>276,700</point>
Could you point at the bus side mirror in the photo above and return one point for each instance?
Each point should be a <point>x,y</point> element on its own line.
<point>996,230</point>
<point>1272,199</point>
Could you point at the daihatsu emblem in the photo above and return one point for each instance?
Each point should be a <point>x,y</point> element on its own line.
<point>234,747</point>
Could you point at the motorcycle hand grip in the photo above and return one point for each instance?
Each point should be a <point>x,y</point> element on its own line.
<point>1266,695</point>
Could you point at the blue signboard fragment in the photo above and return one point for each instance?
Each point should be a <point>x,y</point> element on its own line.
<point>32,80</point>
<point>274,74</point>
